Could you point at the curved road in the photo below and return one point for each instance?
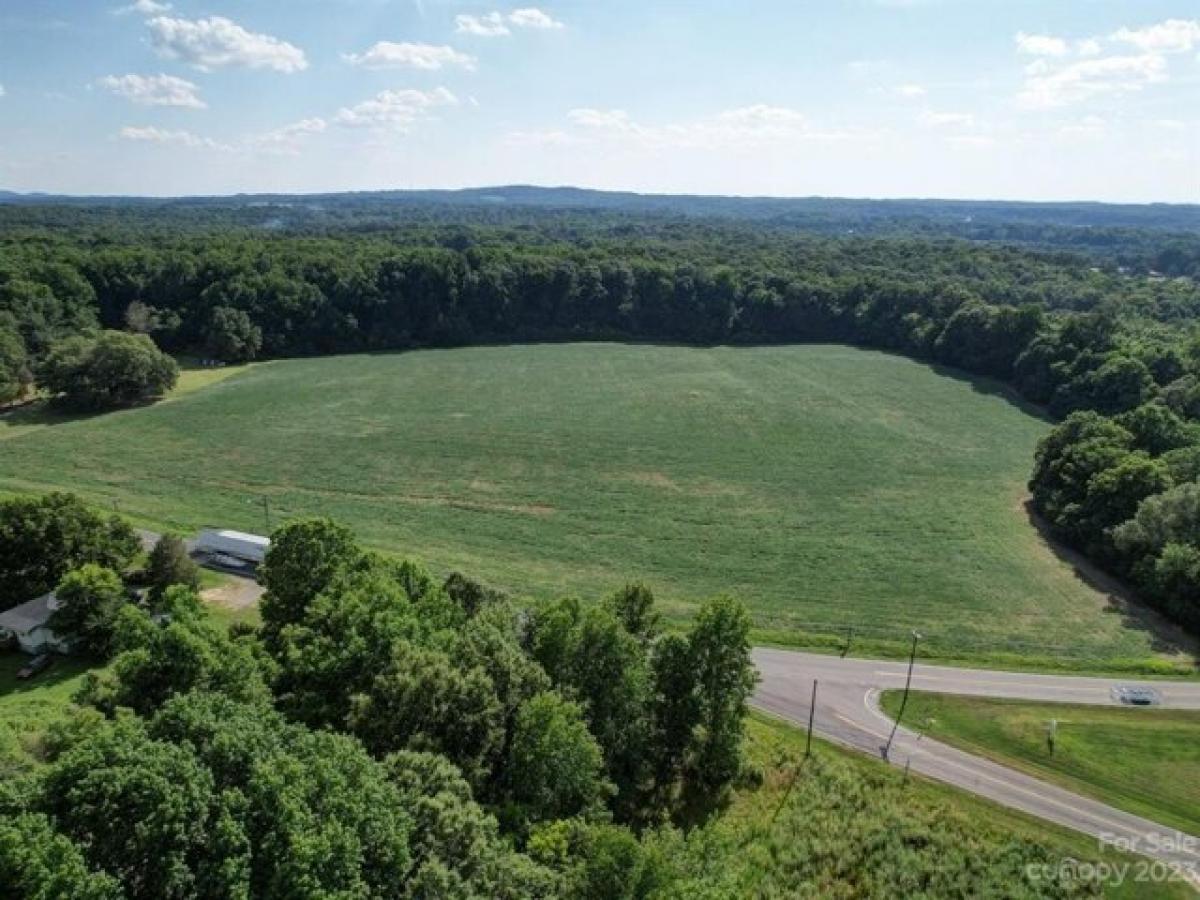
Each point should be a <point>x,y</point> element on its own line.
<point>847,712</point>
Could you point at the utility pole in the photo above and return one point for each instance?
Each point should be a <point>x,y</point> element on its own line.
<point>812,711</point>
<point>849,638</point>
<point>912,658</point>
<point>266,515</point>
<point>1051,733</point>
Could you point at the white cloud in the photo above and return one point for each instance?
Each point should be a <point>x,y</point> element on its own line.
<point>532,17</point>
<point>761,114</point>
<point>910,91</point>
<point>737,128</point>
<point>608,119</point>
<point>154,90</point>
<point>1171,36</point>
<point>388,55</point>
<point>216,42</point>
<point>1088,47</point>
<point>488,25</point>
<point>144,7</point>
<point>395,109</point>
<point>288,139</point>
<point>1041,45</point>
<point>1048,87</point>
<point>153,134</point>
<point>947,119</point>
<point>2,90</point>
<point>496,24</point>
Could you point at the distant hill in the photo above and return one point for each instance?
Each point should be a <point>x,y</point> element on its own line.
<point>828,214</point>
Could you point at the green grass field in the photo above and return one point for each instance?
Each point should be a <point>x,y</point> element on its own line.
<point>28,708</point>
<point>1145,761</point>
<point>823,485</point>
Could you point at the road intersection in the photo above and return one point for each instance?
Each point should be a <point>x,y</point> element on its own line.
<point>848,713</point>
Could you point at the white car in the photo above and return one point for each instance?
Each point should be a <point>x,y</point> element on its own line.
<point>1136,695</point>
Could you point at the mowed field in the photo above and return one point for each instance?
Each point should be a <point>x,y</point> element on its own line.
<point>824,485</point>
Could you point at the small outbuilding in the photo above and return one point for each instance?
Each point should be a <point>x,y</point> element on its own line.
<point>235,545</point>
<point>29,623</point>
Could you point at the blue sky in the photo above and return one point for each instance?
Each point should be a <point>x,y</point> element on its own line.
<point>1022,99</point>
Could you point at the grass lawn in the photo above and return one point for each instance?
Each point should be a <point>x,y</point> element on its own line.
<point>27,708</point>
<point>1145,761</point>
<point>824,485</point>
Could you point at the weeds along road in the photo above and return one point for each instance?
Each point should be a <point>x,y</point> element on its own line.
<point>847,712</point>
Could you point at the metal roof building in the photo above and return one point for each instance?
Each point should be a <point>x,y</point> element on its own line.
<point>238,544</point>
<point>29,622</point>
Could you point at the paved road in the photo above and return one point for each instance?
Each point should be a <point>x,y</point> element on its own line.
<point>847,711</point>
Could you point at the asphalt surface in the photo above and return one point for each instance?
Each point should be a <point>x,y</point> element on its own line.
<point>848,713</point>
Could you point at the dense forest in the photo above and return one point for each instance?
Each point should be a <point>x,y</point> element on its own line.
<point>1080,308</point>
<point>1158,236</point>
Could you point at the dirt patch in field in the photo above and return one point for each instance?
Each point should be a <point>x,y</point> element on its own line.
<point>236,593</point>
<point>655,480</point>
<point>705,487</point>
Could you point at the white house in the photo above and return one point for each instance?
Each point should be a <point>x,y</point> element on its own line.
<point>239,545</point>
<point>29,623</point>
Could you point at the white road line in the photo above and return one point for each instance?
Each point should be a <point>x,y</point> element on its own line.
<point>1002,684</point>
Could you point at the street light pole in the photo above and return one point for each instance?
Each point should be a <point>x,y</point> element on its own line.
<point>812,712</point>
<point>912,658</point>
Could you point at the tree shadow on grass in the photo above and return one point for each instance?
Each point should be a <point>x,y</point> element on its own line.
<point>40,413</point>
<point>1165,635</point>
<point>64,668</point>
<point>991,387</point>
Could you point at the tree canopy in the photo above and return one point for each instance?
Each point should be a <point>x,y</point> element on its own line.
<point>42,538</point>
<point>109,370</point>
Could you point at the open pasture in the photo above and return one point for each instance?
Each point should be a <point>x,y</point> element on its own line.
<point>825,485</point>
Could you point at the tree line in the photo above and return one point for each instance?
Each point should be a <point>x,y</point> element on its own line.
<point>235,295</point>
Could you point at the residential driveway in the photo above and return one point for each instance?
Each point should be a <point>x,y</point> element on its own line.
<point>240,591</point>
<point>237,593</point>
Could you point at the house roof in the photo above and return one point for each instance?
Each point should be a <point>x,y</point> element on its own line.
<point>29,615</point>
